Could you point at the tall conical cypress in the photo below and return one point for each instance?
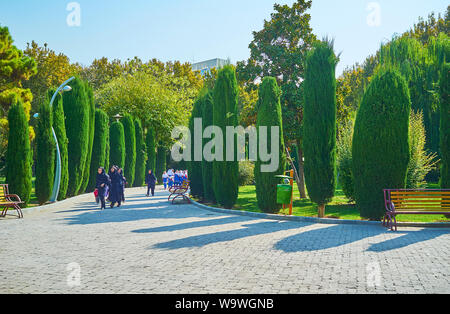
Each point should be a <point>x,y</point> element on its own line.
<point>319,124</point>
<point>380,148</point>
<point>76,111</point>
<point>99,146</point>
<point>59,126</point>
<point>150,141</point>
<point>445,126</point>
<point>116,145</point>
<point>195,166</point>
<point>130,148</point>
<point>269,115</point>
<point>161,159</point>
<point>45,154</point>
<point>225,113</point>
<point>19,157</point>
<point>207,166</point>
<point>141,154</point>
<point>87,171</point>
<point>107,150</point>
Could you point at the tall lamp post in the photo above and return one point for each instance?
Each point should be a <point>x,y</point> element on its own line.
<point>54,198</point>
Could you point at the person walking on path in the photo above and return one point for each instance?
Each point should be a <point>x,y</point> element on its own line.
<point>150,180</point>
<point>124,184</point>
<point>102,184</point>
<point>115,196</point>
<point>165,178</point>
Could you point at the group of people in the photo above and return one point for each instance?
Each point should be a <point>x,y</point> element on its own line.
<point>110,186</point>
<point>172,177</point>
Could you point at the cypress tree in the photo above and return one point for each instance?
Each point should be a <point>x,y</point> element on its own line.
<point>207,166</point>
<point>269,115</point>
<point>99,146</point>
<point>87,171</point>
<point>160,162</point>
<point>319,124</point>
<point>19,156</point>
<point>76,111</point>
<point>225,113</point>
<point>445,126</point>
<point>106,163</point>
<point>195,167</point>
<point>45,154</point>
<point>116,145</point>
<point>141,156</point>
<point>130,148</point>
<point>59,126</point>
<point>381,142</point>
<point>150,141</point>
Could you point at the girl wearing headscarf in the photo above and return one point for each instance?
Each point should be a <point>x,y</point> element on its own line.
<point>115,196</point>
<point>124,183</point>
<point>102,184</point>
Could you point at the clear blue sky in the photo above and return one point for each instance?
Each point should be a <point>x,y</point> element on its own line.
<point>197,30</point>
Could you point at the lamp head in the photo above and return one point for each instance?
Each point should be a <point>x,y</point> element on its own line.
<point>36,115</point>
<point>66,88</point>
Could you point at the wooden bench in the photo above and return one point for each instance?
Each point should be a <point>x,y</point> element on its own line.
<point>414,202</point>
<point>9,201</point>
<point>179,191</point>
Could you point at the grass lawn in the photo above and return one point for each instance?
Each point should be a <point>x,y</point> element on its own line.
<point>339,208</point>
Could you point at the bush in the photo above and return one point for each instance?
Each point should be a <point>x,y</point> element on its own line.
<point>116,145</point>
<point>380,142</point>
<point>344,162</point>
<point>269,115</point>
<point>246,173</point>
<point>130,148</point>
<point>19,156</point>
<point>45,154</point>
<point>99,147</point>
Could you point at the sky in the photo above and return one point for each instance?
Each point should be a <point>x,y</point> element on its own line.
<point>198,30</point>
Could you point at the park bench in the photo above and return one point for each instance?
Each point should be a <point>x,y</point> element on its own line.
<point>177,191</point>
<point>9,201</point>
<point>414,202</point>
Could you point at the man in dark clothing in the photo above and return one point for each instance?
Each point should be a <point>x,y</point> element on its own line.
<point>102,184</point>
<point>150,180</point>
<point>115,196</point>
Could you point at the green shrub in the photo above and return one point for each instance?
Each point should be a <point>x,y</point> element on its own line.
<point>195,167</point>
<point>381,142</point>
<point>246,173</point>
<point>130,148</point>
<point>226,173</point>
<point>45,154</point>
<point>319,124</point>
<point>99,146</point>
<point>141,154</point>
<point>269,115</point>
<point>116,145</point>
<point>19,156</point>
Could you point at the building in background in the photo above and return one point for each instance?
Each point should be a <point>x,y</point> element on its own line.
<point>206,66</point>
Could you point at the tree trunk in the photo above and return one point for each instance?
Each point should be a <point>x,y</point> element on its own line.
<point>301,172</point>
<point>322,211</point>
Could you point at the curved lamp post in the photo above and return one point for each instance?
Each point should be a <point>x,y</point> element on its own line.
<point>63,88</point>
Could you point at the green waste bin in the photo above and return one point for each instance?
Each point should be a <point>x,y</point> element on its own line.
<point>284,193</point>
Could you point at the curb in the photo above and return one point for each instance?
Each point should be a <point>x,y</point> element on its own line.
<point>328,221</point>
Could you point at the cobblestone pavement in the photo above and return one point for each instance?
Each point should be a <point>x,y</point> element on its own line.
<point>150,246</point>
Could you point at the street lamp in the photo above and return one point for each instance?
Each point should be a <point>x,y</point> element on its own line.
<point>117,117</point>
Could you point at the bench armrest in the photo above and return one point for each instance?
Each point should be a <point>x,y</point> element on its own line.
<point>9,196</point>
<point>390,207</point>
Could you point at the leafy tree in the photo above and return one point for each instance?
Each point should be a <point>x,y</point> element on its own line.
<point>45,154</point>
<point>278,51</point>
<point>141,154</point>
<point>319,124</point>
<point>150,141</point>
<point>59,126</point>
<point>195,167</point>
<point>226,173</point>
<point>269,115</point>
<point>117,145</point>
<point>76,111</point>
<point>99,148</point>
<point>380,142</point>
<point>445,127</point>
<point>130,148</point>
<point>207,166</point>
<point>19,157</point>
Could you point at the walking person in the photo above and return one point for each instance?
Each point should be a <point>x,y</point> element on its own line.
<point>150,180</point>
<point>102,185</point>
<point>124,184</point>
<point>115,196</point>
<point>165,178</point>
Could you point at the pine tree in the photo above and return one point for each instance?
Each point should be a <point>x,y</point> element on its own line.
<point>207,166</point>
<point>445,126</point>
<point>116,145</point>
<point>76,111</point>
<point>101,130</point>
<point>319,124</point>
<point>19,154</point>
<point>141,155</point>
<point>381,149</point>
<point>45,154</point>
<point>269,115</point>
<point>130,148</point>
<point>225,113</point>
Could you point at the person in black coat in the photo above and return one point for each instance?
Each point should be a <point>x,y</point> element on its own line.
<point>102,185</point>
<point>115,195</point>
<point>150,180</point>
<point>124,184</point>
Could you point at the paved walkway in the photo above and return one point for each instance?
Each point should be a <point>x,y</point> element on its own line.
<point>149,246</point>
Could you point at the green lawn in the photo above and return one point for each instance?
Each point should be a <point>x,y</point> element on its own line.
<point>339,208</point>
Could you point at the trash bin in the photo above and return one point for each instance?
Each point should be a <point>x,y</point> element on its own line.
<point>284,193</point>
